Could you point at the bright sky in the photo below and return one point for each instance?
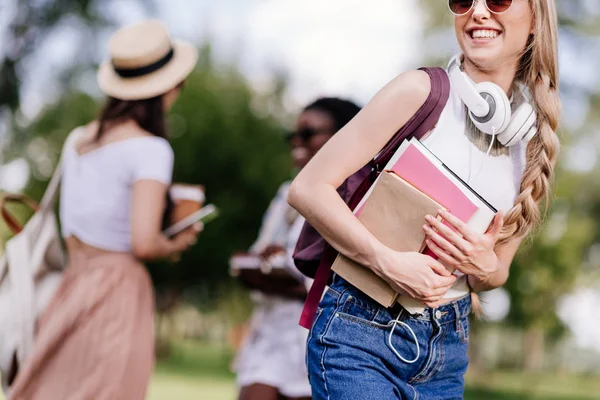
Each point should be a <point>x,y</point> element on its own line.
<point>335,47</point>
<point>339,47</point>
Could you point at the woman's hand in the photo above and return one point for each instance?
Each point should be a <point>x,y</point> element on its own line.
<point>271,250</point>
<point>185,239</point>
<point>463,249</point>
<point>416,275</point>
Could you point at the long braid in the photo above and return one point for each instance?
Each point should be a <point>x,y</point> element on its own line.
<point>539,72</point>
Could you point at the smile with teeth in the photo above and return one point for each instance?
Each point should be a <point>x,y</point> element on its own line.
<point>484,34</point>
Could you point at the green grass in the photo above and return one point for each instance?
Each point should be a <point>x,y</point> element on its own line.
<point>521,386</point>
<point>194,371</point>
<point>199,371</point>
<point>165,387</point>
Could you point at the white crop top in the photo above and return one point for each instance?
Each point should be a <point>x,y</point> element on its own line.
<point>95,198</point>
<point>497,178</point>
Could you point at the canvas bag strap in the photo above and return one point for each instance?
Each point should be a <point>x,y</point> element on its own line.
<point>51,194</point>
<point>10,220</point>
<point>420,123</point>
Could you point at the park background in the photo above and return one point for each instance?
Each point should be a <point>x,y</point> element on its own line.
<point>260,62</point>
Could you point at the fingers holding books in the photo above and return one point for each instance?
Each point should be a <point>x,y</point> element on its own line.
<point>441,285</point>
<point>419,276</point>
<point>463,249</point>
<point>460,228</point>
<point>187,238</point>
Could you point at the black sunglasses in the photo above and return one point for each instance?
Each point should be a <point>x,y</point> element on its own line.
<point>305,134</point>
<point>461,7</point>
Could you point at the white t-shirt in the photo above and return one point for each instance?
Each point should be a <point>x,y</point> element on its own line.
<point>95,201</point>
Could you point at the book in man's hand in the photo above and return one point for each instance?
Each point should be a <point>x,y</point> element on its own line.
<point>261,273</point>
<point>418,166</point>
<point>241,262</point>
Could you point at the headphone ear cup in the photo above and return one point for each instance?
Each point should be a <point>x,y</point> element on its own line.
<point>530,134</point>
<point>499,116</point>
<point>521,127</point>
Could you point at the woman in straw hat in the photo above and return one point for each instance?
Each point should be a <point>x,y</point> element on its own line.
<point>96,338</point>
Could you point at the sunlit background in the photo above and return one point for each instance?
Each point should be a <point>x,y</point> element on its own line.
<point>261,61</point>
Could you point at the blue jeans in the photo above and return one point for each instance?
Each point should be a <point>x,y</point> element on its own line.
<point>349,358</point>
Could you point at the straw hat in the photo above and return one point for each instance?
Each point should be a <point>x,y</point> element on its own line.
<point>144,63</point>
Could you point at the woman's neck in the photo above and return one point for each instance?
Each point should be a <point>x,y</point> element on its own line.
<point>502,76</point>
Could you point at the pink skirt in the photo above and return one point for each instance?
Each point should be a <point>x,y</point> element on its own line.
<point>96,338</point>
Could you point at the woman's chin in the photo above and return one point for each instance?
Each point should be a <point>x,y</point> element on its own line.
<point>484,58</point>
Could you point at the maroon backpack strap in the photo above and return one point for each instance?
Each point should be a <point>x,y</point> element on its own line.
<point>418,125</point>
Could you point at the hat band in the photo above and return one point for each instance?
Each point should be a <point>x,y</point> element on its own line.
<point>141,71</point>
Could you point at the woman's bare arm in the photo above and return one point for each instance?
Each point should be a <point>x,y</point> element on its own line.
<point>147,240</point>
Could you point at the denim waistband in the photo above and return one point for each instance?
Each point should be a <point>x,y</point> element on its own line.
<point>447,313</point>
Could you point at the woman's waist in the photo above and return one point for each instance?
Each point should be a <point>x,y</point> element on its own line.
<point>108,238</point>
<point>80,251</point>
<point>461,304</point>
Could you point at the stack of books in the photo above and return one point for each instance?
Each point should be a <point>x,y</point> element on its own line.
<point>255,270</point>
<point>242,262</point>
<point>414,183</point>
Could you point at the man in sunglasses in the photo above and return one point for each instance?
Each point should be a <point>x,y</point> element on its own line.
<point>271,362</point>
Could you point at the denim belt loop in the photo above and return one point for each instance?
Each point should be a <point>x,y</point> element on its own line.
<point>457,324</point>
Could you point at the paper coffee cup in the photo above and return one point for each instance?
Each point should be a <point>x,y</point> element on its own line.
<point>187,198</point>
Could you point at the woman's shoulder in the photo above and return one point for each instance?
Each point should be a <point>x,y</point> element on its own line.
<point>131,130</point>
<point>125,136</point>
<point>410,89</point>
<point>415,84</point>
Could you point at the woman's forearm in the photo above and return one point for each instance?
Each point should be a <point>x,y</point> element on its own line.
<point>493,281</point>
<point>159,247</point>
<point>505,253</point>
<point>325,210</point>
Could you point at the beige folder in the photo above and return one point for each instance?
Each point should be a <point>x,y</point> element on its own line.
<point>394,213</point>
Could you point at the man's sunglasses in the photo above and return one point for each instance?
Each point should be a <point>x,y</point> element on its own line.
<point>305,134</point>
<point>461,7</point>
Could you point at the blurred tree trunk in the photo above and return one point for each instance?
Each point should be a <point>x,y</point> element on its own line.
<point>477,364</point>
<point>533,349</point>
<point>166,302</point>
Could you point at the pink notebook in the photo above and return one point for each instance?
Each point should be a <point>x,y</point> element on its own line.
<point>417,169</point>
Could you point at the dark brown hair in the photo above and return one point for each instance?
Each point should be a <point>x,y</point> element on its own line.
<point>147,113</point>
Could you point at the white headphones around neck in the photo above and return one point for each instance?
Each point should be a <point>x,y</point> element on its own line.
<point>489,108</point>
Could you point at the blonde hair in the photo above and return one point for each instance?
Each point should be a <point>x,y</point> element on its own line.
<point>538,71</point>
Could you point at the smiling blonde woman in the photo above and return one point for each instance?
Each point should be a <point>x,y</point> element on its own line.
<point>497,132</point>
